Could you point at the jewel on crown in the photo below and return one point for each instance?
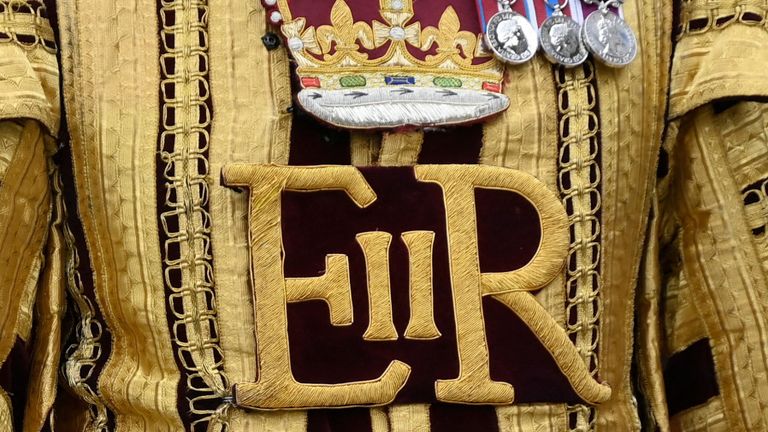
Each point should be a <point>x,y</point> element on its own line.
<point>391,70</point>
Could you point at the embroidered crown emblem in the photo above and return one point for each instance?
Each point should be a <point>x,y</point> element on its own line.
<point>392,70</point>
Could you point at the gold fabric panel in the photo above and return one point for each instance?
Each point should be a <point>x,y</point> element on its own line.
<point>265,421</point>
<point>649,326</point>
<point>111,91</point>
<point>705,418</point>
<point>525,136</point>
<point>632,103</point>
<point>682,320</point>
<point>364,148</point>
<point>29,90</point>
<point>744,132</point>
<point>6,412</point>
<point>50,312</point>
<point>12,135</point>
<point>252,124</point>
<point>400,148</point>
<point>27,303</point>
<point>77,367</point>
<point>718,251</point>
<point>539,418</point>
<point>718,63</point>
<point>407,418</point>
<point>25,210</point>
<point>10,131</point>
<point>29,78</point>
<point>379,420</point>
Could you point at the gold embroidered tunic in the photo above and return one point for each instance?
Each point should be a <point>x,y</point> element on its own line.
<point>591,258</point>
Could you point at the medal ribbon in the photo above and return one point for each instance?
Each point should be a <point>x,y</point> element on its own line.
<point>535,10</point>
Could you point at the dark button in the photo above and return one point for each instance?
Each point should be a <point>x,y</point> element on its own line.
<point>271,41</point>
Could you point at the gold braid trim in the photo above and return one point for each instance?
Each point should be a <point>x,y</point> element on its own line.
<point>578,181</point>
<point>24,23</point>
<point>192,302</point>
<point>82,356</point>
<point>701,16</point>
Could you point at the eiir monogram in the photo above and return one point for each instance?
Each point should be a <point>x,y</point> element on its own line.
<point>276,387</point>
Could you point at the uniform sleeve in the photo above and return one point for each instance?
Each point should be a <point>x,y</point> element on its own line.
<point>720,53</point>
<point>31,254</point>
<point>703,300</point>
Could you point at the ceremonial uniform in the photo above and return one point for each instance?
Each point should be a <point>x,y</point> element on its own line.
<point>348,216</point>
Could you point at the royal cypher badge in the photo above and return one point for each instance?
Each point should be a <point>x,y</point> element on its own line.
<point>405,284</point>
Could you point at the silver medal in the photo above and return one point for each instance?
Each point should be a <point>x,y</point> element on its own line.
<point>609,38</point>
<point>561,40</point>
<point>511,36</point>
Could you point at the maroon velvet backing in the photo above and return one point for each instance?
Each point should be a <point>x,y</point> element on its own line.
<point>690,378</point>
<point>350,419</point>
<point>313,143</point>
<point>319,223</point>
<point>14,378</point>
<point>453,145</point>
<point>462,418</point>
<point>318,12</point>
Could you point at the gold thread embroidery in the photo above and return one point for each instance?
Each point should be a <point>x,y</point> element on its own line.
<point>422,323</point>
<point>474,384</point>
<point>344,32</point>
<point>276,388</point>
<point>375,247</point>
<point>333,49</point>
<point>555,340</point>
<point>333,288</point>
